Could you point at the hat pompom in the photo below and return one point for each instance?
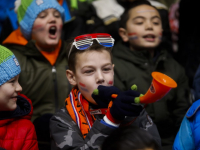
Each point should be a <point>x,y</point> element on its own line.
<point>17,4</point>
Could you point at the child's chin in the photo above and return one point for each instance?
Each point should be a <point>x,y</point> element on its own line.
<point>92,101</point>
<point>12,108</point>
<point>52,42</point>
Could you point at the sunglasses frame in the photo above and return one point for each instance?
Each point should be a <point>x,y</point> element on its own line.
<point>93,36</point>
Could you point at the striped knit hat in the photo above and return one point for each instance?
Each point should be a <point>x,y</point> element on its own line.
<point>28,11</point>
<point>9,65</point>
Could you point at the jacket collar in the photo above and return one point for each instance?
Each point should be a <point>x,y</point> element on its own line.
<point>24,110</point>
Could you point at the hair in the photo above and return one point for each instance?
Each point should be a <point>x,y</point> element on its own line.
<point>94,47</point>
<point>125,16</point>
<point>130,138</point>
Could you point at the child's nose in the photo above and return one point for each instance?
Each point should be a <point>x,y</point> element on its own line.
<point>52,19</point>
<point>18,87</point>
<point>99,78</point>
<point>148,25</point>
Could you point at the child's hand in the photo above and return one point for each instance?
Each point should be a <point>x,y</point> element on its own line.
<point>124,105</point>
<point>102,95</point>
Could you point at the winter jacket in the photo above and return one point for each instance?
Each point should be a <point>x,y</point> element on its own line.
<point>66,134</point>
<point>46,85</point>
<point>135,67</point>
<point>16,130</point>
<point>196,84</point>
<point>188,137</point>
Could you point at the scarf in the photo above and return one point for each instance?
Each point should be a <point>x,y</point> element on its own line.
<point>78,108</point>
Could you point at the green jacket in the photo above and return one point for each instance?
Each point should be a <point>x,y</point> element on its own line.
<point>47,86</point>
<point>135,67</point>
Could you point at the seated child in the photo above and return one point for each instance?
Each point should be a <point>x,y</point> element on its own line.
<point>16,130</point>
<point>86,121</point>
<point>137,55</point>
<point>130,138</point>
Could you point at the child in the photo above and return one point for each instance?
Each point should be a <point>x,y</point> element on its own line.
<point>42,57</point>
<point>137,55</point>
<point>16,129</point>
<point>130,138</point>
<point>85,122</point>
<point>188,134</point>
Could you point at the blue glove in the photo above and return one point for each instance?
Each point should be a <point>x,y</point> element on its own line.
<point>102,95</point>
<point>124,105</point>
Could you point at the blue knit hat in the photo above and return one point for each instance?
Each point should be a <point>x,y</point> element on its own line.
<point>9,65</point>
<point>29,10</point>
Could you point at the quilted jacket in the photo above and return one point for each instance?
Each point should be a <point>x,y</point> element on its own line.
<point>16,130</point>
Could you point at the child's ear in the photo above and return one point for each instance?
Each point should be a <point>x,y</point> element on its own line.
<point>123,34</point>
<point>71,77</point>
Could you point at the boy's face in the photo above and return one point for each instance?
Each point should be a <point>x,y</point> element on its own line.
<point>47,28</point>
<point>143,28</point>
<point>93,68</point>
<point>8,94</point>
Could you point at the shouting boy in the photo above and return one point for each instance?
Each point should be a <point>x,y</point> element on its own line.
<point>42,57</point>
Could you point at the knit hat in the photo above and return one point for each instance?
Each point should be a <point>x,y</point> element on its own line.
<point>9,65</point>
<point>28,11</point>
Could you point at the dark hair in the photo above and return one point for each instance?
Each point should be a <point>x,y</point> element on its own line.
<point>94,47</point>
<point>130,138</point>
<point>125,16</point>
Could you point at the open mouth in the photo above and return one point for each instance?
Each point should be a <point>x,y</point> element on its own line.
<point>52,30</point>
<point>149,37</point>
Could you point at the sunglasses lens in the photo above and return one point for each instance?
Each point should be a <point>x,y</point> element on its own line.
<point>83,43</point>
<point>106,41</point>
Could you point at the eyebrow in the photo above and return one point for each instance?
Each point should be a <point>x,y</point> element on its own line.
<point>107,64</point>
<point>90,66</point>
<point>141,17</point>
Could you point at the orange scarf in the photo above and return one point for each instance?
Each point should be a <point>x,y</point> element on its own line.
<point>78,108</point>
<point>52,56</point>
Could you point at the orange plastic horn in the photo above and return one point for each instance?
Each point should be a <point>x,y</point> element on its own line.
<point>160,86</point>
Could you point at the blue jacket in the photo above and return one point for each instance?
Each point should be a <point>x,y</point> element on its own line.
<point>196,84</point>
<point>188,136</point>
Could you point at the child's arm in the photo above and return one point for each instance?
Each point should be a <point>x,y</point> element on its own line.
<point>65,133</point>
<point>123,105</point>
<point>30,142</point>
<point>144,122</point>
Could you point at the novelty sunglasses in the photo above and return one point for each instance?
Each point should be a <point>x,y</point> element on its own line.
<point>82,42</point>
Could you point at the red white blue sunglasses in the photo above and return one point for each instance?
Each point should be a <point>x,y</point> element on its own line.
<point>82,42</point>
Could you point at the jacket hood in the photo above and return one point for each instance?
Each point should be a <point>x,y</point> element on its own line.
<point>15,37</point>
<point>24,110</point>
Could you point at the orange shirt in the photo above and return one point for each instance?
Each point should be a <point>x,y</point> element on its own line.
<point>52,56</point>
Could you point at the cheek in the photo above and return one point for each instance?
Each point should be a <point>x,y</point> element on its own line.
<point>160,35</point>
<point>132,36</point>
<point>38,28</point>
<point>110,79</point>
<point>110,82</point>
<point>83,87</point>
<point>60,27</point>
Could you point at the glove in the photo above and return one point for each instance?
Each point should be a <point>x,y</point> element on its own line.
<point>124,105</point>
<point>102,95</point>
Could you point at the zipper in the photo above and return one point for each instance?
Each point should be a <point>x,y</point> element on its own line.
<point>55,87</point>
